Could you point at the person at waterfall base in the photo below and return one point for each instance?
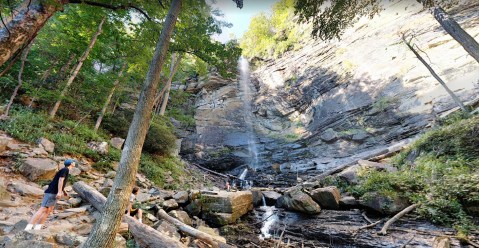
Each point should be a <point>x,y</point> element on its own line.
<point>133,207</point>
<point>227,185</point>
<point>55,190</point>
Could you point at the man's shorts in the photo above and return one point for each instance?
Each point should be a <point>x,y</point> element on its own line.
<point>133,212</point>
<point>49,200</point>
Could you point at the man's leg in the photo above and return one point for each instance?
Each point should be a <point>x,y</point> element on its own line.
<point>48,211</point>
<point>140,215</point>
<point>38,215</point>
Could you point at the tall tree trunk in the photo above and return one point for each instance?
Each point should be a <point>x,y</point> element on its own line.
<point>104,231</point>
<point>108,99</point>
<point>173,69</point>
<point>64,68</point>
<point>452,27</point>
<point>77,69</point>
<point>28,20</point>
<point>44,77</point>
<point>20,82</point>
<point>434,74</point>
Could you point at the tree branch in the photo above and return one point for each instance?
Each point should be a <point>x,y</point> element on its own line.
<point>113,7</point>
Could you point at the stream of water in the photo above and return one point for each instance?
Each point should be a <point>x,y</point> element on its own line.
<point>247,96</point>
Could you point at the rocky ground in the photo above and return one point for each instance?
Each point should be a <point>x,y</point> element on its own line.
<point>306,215</point>
<point>25,168</point>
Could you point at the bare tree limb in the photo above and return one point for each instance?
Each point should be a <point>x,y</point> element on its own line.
<point>113,7</point>
<point>397,217</point>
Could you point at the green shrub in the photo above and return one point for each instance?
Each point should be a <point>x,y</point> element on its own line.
<point>160,138</point>
<point>157,169</point>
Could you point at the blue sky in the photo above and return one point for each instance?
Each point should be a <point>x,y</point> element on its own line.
<point>240,18</point>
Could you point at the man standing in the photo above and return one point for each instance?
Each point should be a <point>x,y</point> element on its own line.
<point>55,190</point>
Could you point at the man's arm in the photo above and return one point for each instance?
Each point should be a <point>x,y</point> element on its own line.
<point>60,187</point>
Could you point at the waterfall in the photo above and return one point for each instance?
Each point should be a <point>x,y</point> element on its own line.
<point>263,200</point>
<point>271,218</point>
<point>243,174</point>
<point>243,67</point>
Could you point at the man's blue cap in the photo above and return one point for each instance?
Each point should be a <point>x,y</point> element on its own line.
<point>69,162</point>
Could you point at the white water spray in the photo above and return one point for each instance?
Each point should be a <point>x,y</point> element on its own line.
<point>243,67</point>
<point>243,174</point>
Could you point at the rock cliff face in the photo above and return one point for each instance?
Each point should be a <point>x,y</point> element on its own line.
<point>323,104</point>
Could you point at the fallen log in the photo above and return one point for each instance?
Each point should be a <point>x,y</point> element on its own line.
<point>143,234</point>
<point>211,240</point>
<point>397,217</point>
<point>373,155</point>
<point>214,172</point>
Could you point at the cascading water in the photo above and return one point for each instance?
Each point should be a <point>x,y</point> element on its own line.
<point>243,67</point>
<point>269,217</point>
<point>243,174</point>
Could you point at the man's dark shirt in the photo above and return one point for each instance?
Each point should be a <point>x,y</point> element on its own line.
<point>53,186</point>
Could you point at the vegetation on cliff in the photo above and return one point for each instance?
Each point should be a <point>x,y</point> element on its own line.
<point>440,171</point>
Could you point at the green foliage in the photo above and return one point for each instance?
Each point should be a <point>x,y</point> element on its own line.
<point>160,138</point>
<point>384,102</point>
<point>271,36</point>
<point>69,137</point>
<point>158,169</point>
<point>440,171</point>
<point>180,109</point>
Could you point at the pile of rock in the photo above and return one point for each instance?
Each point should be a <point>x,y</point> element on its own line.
<point>310,197</point>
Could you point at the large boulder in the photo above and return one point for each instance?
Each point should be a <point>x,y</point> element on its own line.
<point>295,199</point>
<point>38,168</point>
<point>69,239</point>
<point>329,136</point>
<point>350,174</point>
<point>4,143</point>
<point>46,144</point>
<point>327,197</point>
<point>181,216</point>
<point>170,204</point>
<point>348,202</point>
<point>383,204</point>
<point>117,142</point>
<point>100,147</point>
<point>181,197</point>
<point>271,197</point>
<point>226,207</point>
<point>257,197</point>
<point>26,190</point>
<point>194,208</point>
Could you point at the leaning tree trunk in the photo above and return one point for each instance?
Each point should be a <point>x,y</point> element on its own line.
<point>434,74</point>
<point>108,99</point>
<point>29,18</point>
<point>54,110</point>
<point>103,233</point>
<point>20,82</point>
<point>173,69</point>
<point>452,27</point>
